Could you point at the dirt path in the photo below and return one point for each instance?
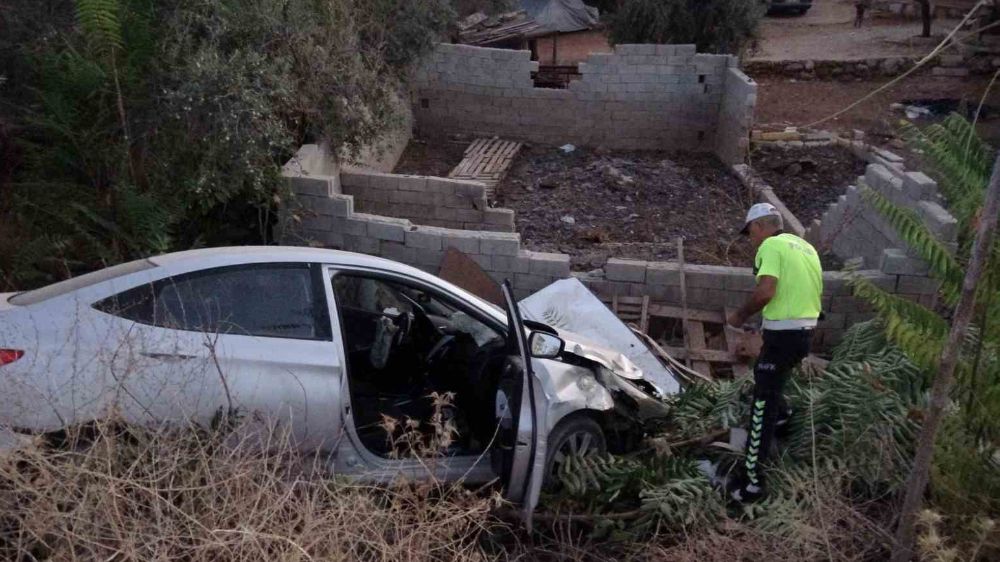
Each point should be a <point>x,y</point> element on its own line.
<point>782,102</point>
<point>826,32</point>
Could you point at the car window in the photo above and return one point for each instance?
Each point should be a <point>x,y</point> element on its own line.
<point>266,300</point>
<point>370,295</point>
<point>376,297</point>
<point>79,282</point>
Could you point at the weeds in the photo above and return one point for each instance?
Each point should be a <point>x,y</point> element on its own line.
<point>114,492</point>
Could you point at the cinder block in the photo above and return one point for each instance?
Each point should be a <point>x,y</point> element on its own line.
<point>938,220</point>
<point>740,279</point>
<point>705,276</point>
<point>551,264</point>
<point>384,230</point>
<point>917,284</point>
<point>425,237</point>
<point>352,226</point>
<point>500,217</point>
<point>529,282</point>
<point>662,273</point>
<point>878,177</point>
<point>919,186</point>
<point>361,244</point>
<point>617,269</point>
<point>429,257</point>
<point>520,263</point>
<point>500,243</point>
<point>353,180</point>
<point>398,252</point>
<point>484,261</point>
<point>896,262</point>
<point>316,186</point>
<point>462,240</point>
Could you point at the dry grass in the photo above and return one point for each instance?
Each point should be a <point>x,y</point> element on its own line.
<point>110,492</point>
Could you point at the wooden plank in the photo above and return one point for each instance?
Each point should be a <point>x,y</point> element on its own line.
<point>644,318</point>
<point>702,355</point>
<point>666,311</point>
<point>696,343</point>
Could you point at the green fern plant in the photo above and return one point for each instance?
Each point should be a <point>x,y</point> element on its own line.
<point>101,24</point>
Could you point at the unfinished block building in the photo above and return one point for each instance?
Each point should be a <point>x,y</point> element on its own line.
<point>640,97</point>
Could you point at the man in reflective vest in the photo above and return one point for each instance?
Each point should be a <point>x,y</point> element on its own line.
<point>788,291</point>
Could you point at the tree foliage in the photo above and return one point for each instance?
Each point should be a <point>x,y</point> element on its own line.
<point>714,26</point>
<point>133,127</point>
<point>965,457</point>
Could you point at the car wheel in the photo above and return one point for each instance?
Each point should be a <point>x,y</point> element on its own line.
<point>576,435</point>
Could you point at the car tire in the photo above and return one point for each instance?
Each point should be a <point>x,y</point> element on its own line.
<point>578,432</point>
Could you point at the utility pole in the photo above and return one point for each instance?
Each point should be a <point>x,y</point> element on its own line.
<point>916,484</point>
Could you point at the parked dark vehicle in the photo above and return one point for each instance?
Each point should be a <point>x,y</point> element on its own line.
<point>797,7</point>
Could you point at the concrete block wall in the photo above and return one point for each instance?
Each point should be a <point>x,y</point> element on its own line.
<point>718,287</point>
<point>851,228</point>
<point>429,201</point>
<point>739,97</point>
<point>638,97</point>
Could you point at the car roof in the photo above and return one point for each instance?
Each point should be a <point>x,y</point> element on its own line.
<point>207,257</point>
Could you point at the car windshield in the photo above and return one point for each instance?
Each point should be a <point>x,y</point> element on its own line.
<point>47,292</point>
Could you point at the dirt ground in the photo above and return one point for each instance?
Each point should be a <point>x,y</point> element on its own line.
<point>807,180</point>
<point>595,205</point>
<point>430,159</point>
<point>782,102</point>
<point>827,32</point>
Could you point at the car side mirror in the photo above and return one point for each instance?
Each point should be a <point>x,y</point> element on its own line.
<point>545,346</point>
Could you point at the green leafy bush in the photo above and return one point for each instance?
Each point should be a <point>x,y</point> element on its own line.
<point>714,26</point>
<point>144,126</point>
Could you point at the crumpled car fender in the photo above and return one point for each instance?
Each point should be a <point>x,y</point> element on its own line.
<point>568,389</point>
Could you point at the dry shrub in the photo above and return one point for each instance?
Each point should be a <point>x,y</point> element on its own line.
<point>115,492</point>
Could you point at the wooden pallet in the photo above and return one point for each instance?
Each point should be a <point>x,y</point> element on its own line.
<point>486,161</point>
<point>728,348</point>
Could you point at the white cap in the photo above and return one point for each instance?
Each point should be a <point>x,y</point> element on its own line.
<point>758,211</point>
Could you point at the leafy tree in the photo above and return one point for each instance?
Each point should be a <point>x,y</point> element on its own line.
<point>135,127</point>
<point>964,459</point>
<point>715,26</point>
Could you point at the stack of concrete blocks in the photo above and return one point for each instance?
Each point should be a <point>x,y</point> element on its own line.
<point>429,201</point>
<point>852,229</point>
<point>732,139</point>
<point>325,216</point>
<point>639,97</point>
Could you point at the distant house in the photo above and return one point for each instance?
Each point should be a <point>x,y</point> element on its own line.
<point>559,33</point>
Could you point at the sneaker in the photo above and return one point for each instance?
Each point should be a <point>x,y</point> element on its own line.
<point>747,494</point>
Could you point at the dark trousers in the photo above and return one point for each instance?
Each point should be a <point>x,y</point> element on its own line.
<point>782,351</point>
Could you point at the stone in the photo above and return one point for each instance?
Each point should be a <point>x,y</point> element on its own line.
<point>500,243</point>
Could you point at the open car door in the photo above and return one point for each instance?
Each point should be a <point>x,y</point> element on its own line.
<point>514,451</point>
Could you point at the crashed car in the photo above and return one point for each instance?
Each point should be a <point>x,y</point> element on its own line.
<point>324,343</point>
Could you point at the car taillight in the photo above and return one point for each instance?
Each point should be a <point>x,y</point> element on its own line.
<point>9,356</point>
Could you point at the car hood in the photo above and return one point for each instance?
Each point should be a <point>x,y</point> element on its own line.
<point>614,361</point>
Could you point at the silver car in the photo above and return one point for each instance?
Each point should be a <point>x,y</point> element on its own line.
<point>325,344</point>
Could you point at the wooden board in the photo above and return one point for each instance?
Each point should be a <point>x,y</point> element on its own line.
<point>486,161</point>
<point>728,350</point>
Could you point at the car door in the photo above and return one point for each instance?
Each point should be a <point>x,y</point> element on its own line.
<point>515,409</point>
<point>252,339</point>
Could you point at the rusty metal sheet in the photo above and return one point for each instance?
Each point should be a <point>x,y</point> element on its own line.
<point>460,269</point>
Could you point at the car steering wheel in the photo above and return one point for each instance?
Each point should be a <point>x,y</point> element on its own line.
<point>439,350</point>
